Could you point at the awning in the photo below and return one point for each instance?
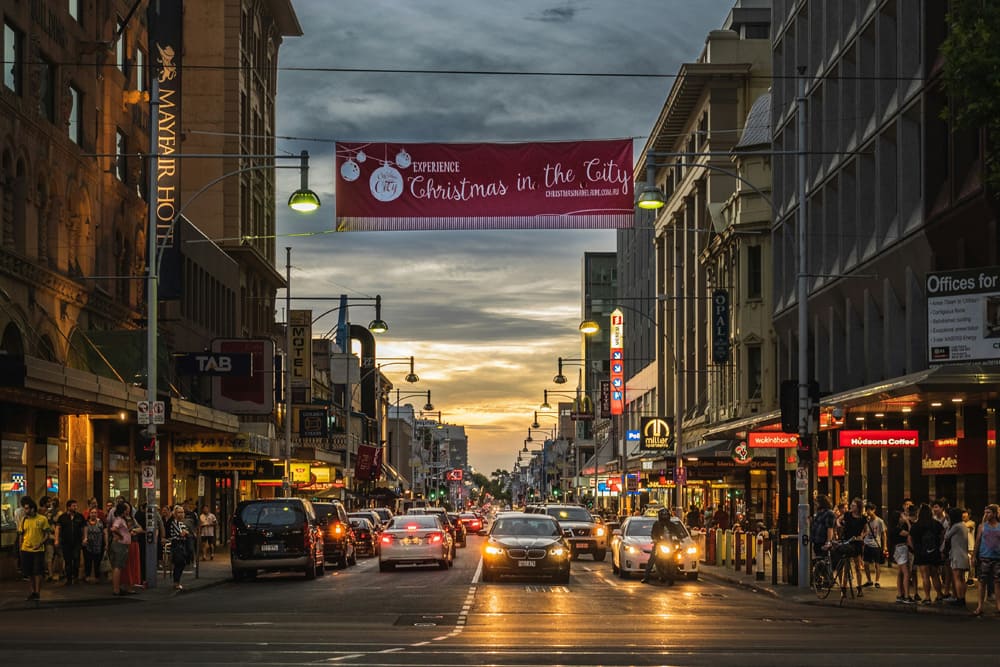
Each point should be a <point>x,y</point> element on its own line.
<point>711,449</point>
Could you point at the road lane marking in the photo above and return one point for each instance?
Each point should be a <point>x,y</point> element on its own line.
<point>345,657</point>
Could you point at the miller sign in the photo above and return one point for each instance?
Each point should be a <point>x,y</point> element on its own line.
<point>657,434</point>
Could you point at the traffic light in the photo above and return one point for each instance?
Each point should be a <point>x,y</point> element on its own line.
<point>555,492</point>
<point>145,446</point>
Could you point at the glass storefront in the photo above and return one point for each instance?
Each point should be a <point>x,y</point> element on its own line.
<point>13,485</point>
<point>46,461</point>
<point>119,474</point>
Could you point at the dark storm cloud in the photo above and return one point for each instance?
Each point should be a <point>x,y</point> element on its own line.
<point>485,313</point>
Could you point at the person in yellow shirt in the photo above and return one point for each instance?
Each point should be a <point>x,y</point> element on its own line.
<point>33,531</point>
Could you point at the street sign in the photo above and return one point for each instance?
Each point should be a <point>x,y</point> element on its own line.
<point>159,412</point>
<point>148,477</point>
<point>142,412</point>
<point>801,479</point>
<point>455,475</point>
<point>201,486</point>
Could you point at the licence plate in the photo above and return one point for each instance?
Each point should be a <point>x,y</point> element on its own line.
<point>269,547</point>
<point>411,540</point>
<point>526,563</point>
<point>582,545</point>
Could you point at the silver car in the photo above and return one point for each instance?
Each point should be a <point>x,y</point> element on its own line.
<point>419,539</point>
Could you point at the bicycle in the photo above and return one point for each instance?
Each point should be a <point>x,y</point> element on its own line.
<point>822,576</point>
<point>844,570</point>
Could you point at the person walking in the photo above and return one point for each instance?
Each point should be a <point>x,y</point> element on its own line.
<point>956,539</point>
<point>94,546</point>
<point>33,532</point>
<point>854,529</point>
<point>207,524</point>
<point>69,538</point>
<point>875,549</point>
<point>987,556</point>
<point>179,532</point>
<point>926,537</point>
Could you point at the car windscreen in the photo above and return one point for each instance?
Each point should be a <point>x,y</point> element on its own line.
<point>639,528</point>
<point>384,514</point>
<point>272,515</point>
<point>525,527</point>
<point>364,524</point>
<point>417,521</point>
<point>325,511</point>
<point>569,514</point>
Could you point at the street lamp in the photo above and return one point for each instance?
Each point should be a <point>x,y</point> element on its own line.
<point>376,326</point>
<point>154,258</point>
<point>399,397</point>
<point>560,378</point>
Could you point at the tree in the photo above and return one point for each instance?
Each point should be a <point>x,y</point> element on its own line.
<point>971,62</point>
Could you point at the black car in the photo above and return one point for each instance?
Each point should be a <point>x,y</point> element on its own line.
<point>526,545</point>
<point>461,533</point>
<point>276,534</point>
<point>365,537</point>
<point>338,536</point>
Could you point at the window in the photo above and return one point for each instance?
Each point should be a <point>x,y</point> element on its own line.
<point>755,368</point>
<point>121,158</point>
<point>755,278</point>
<point>120,45</point>
<point>74,10</point>
<point>13,41</point>
<point>75,116</point>
<point>140,70</point>
<point>46,90</point>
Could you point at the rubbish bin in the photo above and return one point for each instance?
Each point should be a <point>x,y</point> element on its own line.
<point>790,559</point>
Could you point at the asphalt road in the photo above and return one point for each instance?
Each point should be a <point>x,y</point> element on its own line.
<point>431,617</point>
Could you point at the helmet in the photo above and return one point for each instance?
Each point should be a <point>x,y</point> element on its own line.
<point>663,514</point>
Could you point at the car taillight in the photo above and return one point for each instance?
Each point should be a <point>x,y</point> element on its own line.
<point>386,539</point>
<point>337,530</point>
<point>434,538</point>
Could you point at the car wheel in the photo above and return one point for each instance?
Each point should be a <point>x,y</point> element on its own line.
<point>385,567</point>
<point>443,564</point>
<point>244,575</point>
<point>692,576</point>
<point>321,569</point>
<point>600,555</point>
<point>310,570</point>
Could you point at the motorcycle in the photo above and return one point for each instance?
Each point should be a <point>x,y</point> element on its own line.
<point>668,557</point>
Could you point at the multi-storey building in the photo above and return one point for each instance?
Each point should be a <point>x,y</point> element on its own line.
<point>74,133</point>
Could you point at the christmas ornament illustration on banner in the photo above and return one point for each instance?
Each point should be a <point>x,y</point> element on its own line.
<point>385,182</point>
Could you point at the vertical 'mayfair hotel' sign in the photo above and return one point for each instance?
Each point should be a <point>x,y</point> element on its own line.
<point>166,21</point>
<point>617,375</point>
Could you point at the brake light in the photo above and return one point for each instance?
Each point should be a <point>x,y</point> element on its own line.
<point>411,526</point>
<point>337,530</point>
<point>434,538</point>
<point>386,539</point>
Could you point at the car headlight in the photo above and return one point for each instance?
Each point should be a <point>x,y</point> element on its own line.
<point>557,551</point>
<point>631,550</point>
<point>493,551</point>
<point>692,550</point>
<point>599,532</point>
<point>664,548</point>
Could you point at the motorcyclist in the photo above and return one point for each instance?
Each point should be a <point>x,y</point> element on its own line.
<point>660,530</point>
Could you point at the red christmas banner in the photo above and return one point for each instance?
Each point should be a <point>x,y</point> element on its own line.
<point>551,185</point>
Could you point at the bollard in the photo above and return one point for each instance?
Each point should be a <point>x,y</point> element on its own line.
<point>727,552</point>
<point>759,556</point>
<point>737,550</point>
<point>751,553</point>
<point>710,547</point>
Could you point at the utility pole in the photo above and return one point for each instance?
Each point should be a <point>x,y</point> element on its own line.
<point>803,326</point>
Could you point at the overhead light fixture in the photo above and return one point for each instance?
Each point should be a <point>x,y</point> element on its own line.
<point>412,377</point>
<point>859,419</point>
<point>880,414</point>
<point>650,198</point>
<point>936,404</point>
<point>907,409</point>
<point>559,379</point>
<point>304,200</point>
<point>588,327</point>
<point>956,400</point>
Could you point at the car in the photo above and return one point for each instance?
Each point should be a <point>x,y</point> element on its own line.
<point>524,544</point>
<point>441,513</point>
<point>416,539</point>
<point>338,538</point>
<point>632,544</point>
<point>589,534</point>
<point>276,534</point>
<point>384,514</point>
<point>461,533</point>
<point>473,522</point>
<point>369,514</point>
<point>365,536</point>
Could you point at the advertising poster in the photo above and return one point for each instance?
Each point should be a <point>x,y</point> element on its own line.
<point>963,316</point>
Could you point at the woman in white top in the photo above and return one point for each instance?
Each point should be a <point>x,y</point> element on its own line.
<point>206,531</point>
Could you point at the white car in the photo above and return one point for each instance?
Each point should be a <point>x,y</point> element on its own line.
<point>632,544</point>
<point>415,540</point>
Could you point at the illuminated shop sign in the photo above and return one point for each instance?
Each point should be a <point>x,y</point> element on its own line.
<point>888,439</point>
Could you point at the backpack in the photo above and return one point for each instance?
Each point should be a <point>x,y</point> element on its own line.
<point>820,524</point>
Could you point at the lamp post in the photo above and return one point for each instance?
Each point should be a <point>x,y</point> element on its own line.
<point>303,201</point>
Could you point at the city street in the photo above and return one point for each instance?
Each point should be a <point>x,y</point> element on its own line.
<point>431,617</point>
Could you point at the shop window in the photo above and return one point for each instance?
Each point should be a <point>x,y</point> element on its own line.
<point>13,483</point>
<point>46,463</point>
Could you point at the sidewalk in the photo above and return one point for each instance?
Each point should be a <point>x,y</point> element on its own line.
<point>56,594</point>
<point>876,599</point>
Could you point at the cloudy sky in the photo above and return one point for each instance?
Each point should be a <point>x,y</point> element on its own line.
<point>485,313</point>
